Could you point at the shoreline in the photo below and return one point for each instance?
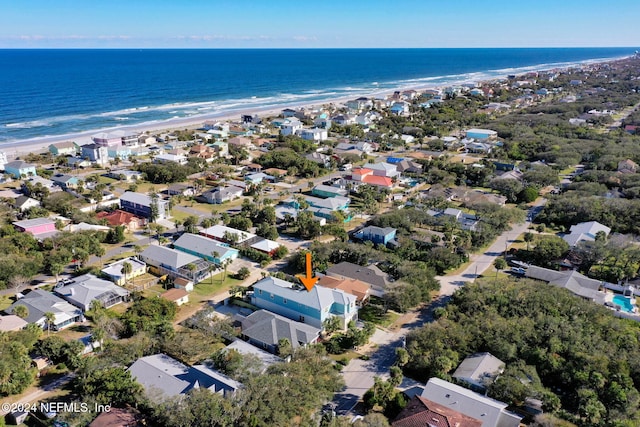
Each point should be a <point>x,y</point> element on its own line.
<point>19,148</point>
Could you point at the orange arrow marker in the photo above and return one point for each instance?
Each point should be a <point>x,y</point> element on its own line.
<point>309,282</point>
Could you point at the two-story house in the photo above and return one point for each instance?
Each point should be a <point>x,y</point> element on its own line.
<point>141,205</point>
<point>296,303</point>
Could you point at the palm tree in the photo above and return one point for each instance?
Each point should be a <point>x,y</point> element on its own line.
<point>528,237</point>
<point>21,311</point>
<point>499,264</point>
<point>216,258</point>
<point>127,268</point>
<point>226,263</point>
<point>50,319</point>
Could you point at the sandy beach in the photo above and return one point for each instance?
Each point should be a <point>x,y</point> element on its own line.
<point>16,149</point>
<point>21,148</point>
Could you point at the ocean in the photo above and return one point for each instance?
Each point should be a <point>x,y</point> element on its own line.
<point>55,92</point>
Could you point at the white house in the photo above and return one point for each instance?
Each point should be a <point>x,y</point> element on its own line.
<point>290,126</point>
<point>315,134</point>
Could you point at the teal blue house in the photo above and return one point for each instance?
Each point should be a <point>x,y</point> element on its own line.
<point>206,248</point>
<point>296,303</point>
<point>18,169</point>
<point>326,191</point>
<point>377,235</point>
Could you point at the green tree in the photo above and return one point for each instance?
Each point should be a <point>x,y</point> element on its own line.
<point>109,386</point>
<point>243,273</point>
<point>21,311</point>
<point>50,319</point>
<point>528,237</point>
<point>499,264</point>
<point>127,269</point>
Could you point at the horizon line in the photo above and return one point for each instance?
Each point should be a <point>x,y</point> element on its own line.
<point>308,48</point>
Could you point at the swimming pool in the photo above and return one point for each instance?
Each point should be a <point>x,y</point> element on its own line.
<point>624,302</point>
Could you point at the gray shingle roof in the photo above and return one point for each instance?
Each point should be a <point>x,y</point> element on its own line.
<point>202,245</point>
<point>167,256</point>
<point>166,376</point>
<point>479,369</point>
<point>371,275</point>
<point>88,288</point>
<point>575,282</point>
<point>266,327</point>
<point>39,302</point>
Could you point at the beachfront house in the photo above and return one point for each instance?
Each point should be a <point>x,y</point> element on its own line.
<point>204,247</point>
<point>68,148</point>
<point>108,139</point>
<point>38,302</point>
<point>19,169</point>
<point>114,271</point>
<point>296,303</point>
<point>82,291</point>
<point>141,205</point>
<point>163,377</point>
<point>95,153</point>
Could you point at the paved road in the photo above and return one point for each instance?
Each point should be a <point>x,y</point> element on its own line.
<point>40,393</point>
<point>359,374</point>
<point>482,262</point>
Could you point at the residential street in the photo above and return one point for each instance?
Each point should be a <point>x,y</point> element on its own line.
<point>359,374</point>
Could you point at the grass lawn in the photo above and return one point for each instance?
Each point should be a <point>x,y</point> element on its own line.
<point>374,312</point>
<point>205,289</point>
<point>5,301</point>
<point>205,208</point>
<point>348,355</point>
<point>106,180</point>
<point>179,215</point>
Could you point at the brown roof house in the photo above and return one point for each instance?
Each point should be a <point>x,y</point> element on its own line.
<point>371,275</point>
<point>423,412</point>
<point>118,417</point>
<point>627,166</point>
<point>179,296</point>
<point>355,287</point>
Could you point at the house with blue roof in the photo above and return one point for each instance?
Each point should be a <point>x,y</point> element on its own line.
<point>204,247</point>
<point>313,307</point>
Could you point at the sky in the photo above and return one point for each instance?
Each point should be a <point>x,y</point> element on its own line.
<point>317,24</point>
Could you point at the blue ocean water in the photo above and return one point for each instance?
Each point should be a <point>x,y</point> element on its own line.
<point>60,91</point>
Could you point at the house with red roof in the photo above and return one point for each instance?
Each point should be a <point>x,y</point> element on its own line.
<point>423,412</point>
<point>119,217</point>
<point>366,176</point>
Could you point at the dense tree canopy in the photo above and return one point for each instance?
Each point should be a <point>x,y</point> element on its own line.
<point>586,359</point>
